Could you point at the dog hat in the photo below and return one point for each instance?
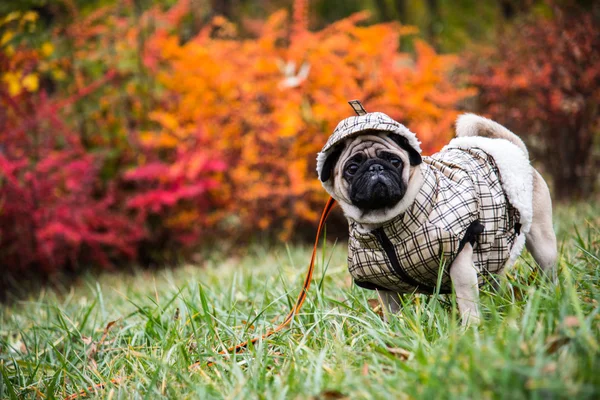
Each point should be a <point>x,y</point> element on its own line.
<point>354,126</point>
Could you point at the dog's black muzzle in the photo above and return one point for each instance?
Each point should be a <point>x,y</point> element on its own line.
<point>377,184</point>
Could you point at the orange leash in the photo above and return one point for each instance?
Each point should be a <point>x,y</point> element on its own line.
<point>239,347</point>
<point>83,393</point>
<point>301,297</point>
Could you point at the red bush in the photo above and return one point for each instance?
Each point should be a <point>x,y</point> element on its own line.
<point>74,185</point>
<point>175,188</point>
<point>54,208</point>
<point>543,81</point>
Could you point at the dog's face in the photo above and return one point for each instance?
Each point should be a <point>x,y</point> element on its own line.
<point>370,175</point>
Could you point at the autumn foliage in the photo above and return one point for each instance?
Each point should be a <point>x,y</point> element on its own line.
<point>135,141</point>
<point>268,104</point>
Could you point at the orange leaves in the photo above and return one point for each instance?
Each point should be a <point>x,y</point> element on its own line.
<point>268,104</point>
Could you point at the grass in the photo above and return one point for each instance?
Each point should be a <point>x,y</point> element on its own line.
<point>538,340</point>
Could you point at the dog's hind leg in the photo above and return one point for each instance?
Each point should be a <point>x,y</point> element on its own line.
<point>541,239</point>
<point>464,280</point>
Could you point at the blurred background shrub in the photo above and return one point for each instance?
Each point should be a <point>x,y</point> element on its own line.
<point>135,132</point>
<point>543,81</point>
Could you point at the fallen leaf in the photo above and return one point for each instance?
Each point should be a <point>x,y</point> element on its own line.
<point>106,330</point>
<point>91,353</point>
<point>244,322</point>
<point>365,369</point>
<point>331,395</point>
<point>375,306</point>
<point>400,353</point>
<point>93,350</point>
<point>550,368</point>
<point>571,321</point>
<point>554,343</point>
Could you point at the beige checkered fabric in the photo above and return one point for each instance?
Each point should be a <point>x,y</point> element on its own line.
<point>353,126</point>
<point>460,187</point>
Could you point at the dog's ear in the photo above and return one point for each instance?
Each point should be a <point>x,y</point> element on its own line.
<point>330,162</point>
<point>413,155</point>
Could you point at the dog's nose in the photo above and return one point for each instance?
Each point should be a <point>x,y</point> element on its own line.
<point>375,168</point>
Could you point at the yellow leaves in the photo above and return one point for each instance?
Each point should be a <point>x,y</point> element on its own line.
<point>15,84</point>
<point>165,119</point>
<point>158,140</point>
<point>47,49</point>
<point>21,20</point>
<point>6,37</point>
<point>31,82</point>
<point>25,63</point>
<point>30,16</point>
<point>5,42</point>
<point>13,25</point>
<point>170,134</point>
<point>13,16</point>
<point>59,74</point>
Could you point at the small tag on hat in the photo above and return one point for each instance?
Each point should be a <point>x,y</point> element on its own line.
<point>358,107</point>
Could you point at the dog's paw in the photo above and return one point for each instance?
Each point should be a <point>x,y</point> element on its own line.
<point>470,320</point>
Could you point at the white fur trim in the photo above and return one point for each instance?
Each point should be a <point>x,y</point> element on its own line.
<point>515,172</point>
<point>321,157</point>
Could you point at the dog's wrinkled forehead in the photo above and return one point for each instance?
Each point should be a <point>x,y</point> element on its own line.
<point>370,144</point>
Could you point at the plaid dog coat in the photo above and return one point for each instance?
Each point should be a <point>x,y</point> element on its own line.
<point>476,189</point>
<point>461,189</point>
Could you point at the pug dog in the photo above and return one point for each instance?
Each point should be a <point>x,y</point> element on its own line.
<point>439,223</point>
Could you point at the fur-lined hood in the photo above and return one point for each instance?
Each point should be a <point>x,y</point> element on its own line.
<point>354,126</point>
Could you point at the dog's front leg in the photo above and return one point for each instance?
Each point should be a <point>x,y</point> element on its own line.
<point>464,280</point>
<point>390,302</point>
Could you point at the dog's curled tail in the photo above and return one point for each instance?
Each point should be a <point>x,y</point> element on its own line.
<point>474,125</point>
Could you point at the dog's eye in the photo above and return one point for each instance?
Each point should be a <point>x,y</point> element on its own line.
<point>396,162</point>
<point>351,169</point>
